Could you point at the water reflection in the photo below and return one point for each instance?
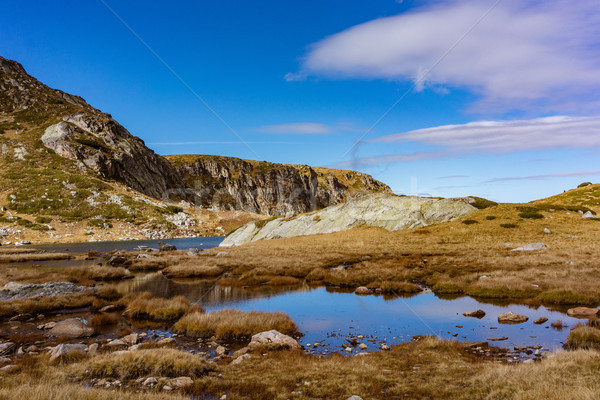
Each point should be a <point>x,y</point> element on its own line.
<point>331,316</point>
<point>206,292</point>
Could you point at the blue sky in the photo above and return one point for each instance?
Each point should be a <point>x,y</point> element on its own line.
<point>448,98</point>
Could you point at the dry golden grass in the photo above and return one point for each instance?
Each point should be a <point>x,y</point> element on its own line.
<point>469,258</point>
<point>142,306</point>
<point>99,273</point>
<point>234,324</point>
<point>191,270</point>
<point>29,257</point>
<point>143,363</point>
<point>584,337</point>
<point>46,304</point>
<point>51,390</point>
<point>429,368</point>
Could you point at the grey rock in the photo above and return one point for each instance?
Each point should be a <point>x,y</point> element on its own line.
<point>475,314</point>
<point>63,350</point>
<point>7,348</point>
<point>362,290</point>
<point>151,381</point>
<point>588,214</point>
<point>240,359</point>
<point>47,289</point>
<point>531,247</point>
<point>273,338</point>
<point>181,382</point>
<point>511,318</point>
<point>72,328</point>
<point>194,251</point>
<point>93,349</point>
<point>380,210</point>
<point>354,398</point>
<point>166,247</point>
<point>547,231</point>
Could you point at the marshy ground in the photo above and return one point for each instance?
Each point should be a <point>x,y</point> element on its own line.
<point>466,257</point>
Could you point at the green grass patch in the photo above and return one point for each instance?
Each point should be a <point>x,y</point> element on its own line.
<point>566,297</point>
<point>529,213</point>
<point>469,222</point>
<point>490,217</point>
<point>43,220</point>
<point>446,288</point>
<point>503,292</point>
<point>482,203</point>
<point>508,226</point>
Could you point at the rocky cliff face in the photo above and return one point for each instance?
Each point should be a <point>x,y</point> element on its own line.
<point>268,188</point>
<point>85,135</point>
<point>382,210</point>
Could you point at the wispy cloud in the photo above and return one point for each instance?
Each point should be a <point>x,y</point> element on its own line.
<point>507,136</point>
<point>484,137</point>
<point>545,176</point>
<point>452,177</point>
<point>525,54</point>
<point>306,128</point>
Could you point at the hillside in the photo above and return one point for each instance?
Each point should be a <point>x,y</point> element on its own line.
<point>268,188</point>
<point>70,169</point>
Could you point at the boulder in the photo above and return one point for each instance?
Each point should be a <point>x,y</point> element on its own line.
<point>511,318</point>
<point>531,247</point>
<point>72,328</point>
<point>7,348</point>
<point>130,339</point>
<point>540,320</point>
<point>273,338</point>
<point>182,382</point>
<point>194,251</point>
<point>166,247</point>
<point>476,314</point>
<point>379,210</point>
<point>240,359</point>
<point>587,215</point>
<point>582,312</point>
<point>116,344</point>
<point>362,290</point>
<point>65,350</point>
<point>47,289</point>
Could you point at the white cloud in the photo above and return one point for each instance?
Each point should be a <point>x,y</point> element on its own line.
<point>306,128</point>
<point>486,137</point>
<point>525,54</point>
<point>507,136</point>
<point>545,176</point>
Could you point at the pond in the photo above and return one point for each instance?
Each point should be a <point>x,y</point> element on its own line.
<point>182,244</point>
<point>331,317</point>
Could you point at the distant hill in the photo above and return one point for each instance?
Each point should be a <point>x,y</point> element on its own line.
<point>585,196</point>
<point>65,161</point>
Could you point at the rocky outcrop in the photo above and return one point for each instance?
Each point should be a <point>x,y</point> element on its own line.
<point>48,289</point>
<point>381,210</point>
<point>111,152</point>
<point>261,187</point>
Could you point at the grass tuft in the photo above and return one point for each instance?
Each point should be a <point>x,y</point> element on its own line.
<point>234,324</point>
<point>145,307</point>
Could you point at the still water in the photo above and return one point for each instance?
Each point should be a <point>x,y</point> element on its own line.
<point>181,244</point>
<point>330,317</point>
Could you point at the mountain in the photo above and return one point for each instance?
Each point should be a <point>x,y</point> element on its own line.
<point>62,159</point>
<point>268,188</point>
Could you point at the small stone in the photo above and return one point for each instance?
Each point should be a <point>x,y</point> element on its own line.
<point>587,215</point>
<point>547,231</point>
<point>93,349</point>
<point>221,351</point>
<point>151,381</point>
<point>384,347</point>
<point>116,343</point>
<point>130,339</point>
<point>65,349</point>
<point>108,308</point>
<point>8,368</point>
<point>167,388</point>
<point>582,312</point>
<point>362,290</point>
<point>7,348</point>
<point>540,320</point>
<point>476,314</point>
<point>531,247</point>
<point>511,318</point>
<point>72,328</point>
<point>354,398</point>
<point>348,350</point>
<point>363,346</point>
<point>182,382</point>
<point>241,358</point>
